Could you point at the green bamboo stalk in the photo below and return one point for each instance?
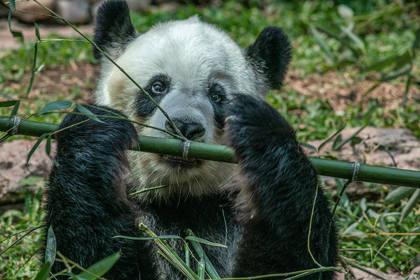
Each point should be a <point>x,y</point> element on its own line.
<point>332,168</point>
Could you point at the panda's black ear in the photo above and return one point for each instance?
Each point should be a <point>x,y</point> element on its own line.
<point>271,54</point>
<point>114,29</point>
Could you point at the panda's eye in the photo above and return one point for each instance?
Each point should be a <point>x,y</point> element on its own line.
<point>216,93</point>
<point>158,88</point>
<point>216,97</point>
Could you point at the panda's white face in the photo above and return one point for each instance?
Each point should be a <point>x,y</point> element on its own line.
<point>192,69</point>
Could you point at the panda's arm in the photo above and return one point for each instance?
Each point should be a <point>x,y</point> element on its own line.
<point>86,198</point>
<point>277,186</point>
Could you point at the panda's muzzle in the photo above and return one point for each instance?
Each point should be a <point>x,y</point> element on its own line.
<point>191,130</point>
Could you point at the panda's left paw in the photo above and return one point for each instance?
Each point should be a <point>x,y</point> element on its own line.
<point>252,125</point>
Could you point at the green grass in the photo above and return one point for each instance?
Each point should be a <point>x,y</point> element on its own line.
<point>384,28</point>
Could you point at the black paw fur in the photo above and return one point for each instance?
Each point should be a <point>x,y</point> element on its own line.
<point>254,126</point>
<point>112,133</point>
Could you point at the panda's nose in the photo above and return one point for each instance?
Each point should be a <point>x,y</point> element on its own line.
<point>191,130</point>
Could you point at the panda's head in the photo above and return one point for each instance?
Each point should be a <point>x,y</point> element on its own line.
<point>192,69</point>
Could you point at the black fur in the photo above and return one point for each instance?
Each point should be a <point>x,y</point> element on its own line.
<point>113,26</point>
<point>87,201</point>
<point>278,184</point>
<point>271,54</point>
<point>263,213</point>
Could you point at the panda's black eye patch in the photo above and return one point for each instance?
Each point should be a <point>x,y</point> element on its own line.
<point>217,96</point>
<point>217,93</point>
<point>158,86</point>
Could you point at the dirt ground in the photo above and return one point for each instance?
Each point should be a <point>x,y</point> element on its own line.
<point>341,90</point>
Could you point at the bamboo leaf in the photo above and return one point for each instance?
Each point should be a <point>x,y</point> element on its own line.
<point>200,252</point>
<point>35,146</point>
<point>343,43</point>
<point>45,270</point>
<point>149,238</point>
<point>394,74</point>
<point>5,95</point>
<point>87,112</point>
<point>308,146</point>
<point>387,261</point>
<point>39,68</point>
<point>55,105</point>
<point>204,241</point>
<point>201,269</point>
<point>403,59</point>
<point>321,42</point>
<point>356,39</point>
<point>10,103</point>
<point>48,145</point>
<point>381,64</point>
<point>31,82</point>
<point>363,204</point>
<point>12,4</point>
<point>51,247</point>
<point>411,203</point>
<point>29,181</point>
<point>15,34</point>
<point>37,31</point>
<point>15,109</point>
<point>101,267</point>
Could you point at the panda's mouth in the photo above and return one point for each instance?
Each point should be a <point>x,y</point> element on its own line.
<point>179,161</point>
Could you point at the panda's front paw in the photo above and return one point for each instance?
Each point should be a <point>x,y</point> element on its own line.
<point>109,128</point>
<point>253,126</point>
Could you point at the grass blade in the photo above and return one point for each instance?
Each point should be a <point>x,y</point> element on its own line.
<point>411,203</point>
<point>15,34</point>
<point>331,137</point>
<point>35,146</point>
<point>101,267</point>
<point>381,64</point>
<point>31,82</point>
<point>356,39</point>
<point>200,252</point>
<point>345,141</point>
<point>321,42</point>
<point>44,272</point>
<point>394,74</point>
<point>203,241</point>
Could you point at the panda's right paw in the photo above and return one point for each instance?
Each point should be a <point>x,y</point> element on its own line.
<point>253,127</point>
<point>107,128</point>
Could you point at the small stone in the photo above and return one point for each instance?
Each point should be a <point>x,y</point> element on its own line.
<point>74,11</point>
<point>138,5</point>
<point>33,7</point>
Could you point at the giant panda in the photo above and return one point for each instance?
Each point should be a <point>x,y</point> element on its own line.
<point>214,92</point>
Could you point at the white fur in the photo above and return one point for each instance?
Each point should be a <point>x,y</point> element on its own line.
<point>194,55</point>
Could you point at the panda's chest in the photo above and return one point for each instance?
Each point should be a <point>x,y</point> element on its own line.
<point>208,219</point>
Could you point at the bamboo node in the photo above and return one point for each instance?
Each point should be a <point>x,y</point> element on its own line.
<point>356,169</point>
<point>187,144</point>
<point>16,122</point>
